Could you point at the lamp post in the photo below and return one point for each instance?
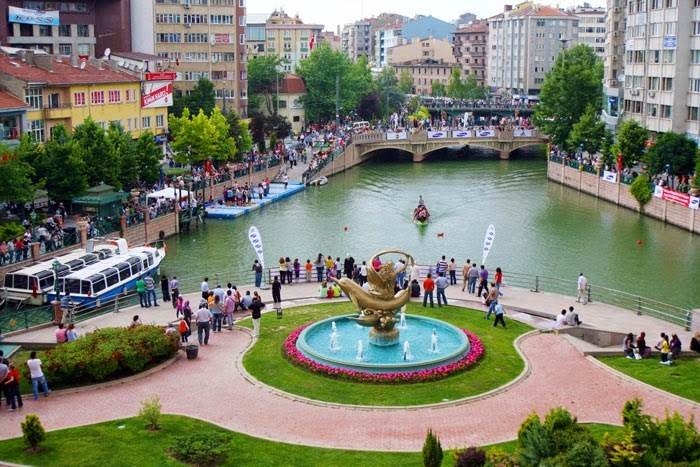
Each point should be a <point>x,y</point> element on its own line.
<point>56,303</point>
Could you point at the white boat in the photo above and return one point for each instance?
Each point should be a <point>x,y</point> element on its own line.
<point>319,181</point>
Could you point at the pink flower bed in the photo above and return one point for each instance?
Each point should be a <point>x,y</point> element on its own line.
<point>476,351</point>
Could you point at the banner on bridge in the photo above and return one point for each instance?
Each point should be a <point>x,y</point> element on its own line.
<point>694,202</point>
<point>522,133</point>
<point>610,176</point>
<point>675,197</point>
<point>437,134</point>
<point>485,133</point>
<point>462,134</point>
<point>396,135</point>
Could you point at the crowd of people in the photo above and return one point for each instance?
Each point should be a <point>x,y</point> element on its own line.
<point>669,348</point>
<point>48,232</point>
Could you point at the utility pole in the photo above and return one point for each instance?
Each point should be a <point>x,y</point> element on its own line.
<point>337,100</point>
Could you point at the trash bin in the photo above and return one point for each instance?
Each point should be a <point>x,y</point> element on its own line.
<point>192,351</point>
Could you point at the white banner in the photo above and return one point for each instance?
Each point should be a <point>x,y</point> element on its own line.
<point>610,176</point>
<point>156,94</point>
<point>488,242</point>
<point>437,134</point>
<point>522,133</point>
<point>694,202</point>
<point>658,191</point>
<point>485,133</point>
<point>394,135</point>
<point>256,241</point>
<point>27,16</point>
<point>462,134</point>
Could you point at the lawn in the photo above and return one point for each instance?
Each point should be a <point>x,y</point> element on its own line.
<point>500,364</point>
<point>682,378</point>
<point>128,443</point>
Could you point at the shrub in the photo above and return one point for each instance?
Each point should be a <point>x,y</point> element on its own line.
<point>640,190</point>
<point>150,412</point>
<point>108,354</point>
<point>470,457</point>
<point>432,451</point>
<point>200,449</point>
<point>499,458</point>
<point>32,432</point>
<point>534,441</point>
<point>678,440</point>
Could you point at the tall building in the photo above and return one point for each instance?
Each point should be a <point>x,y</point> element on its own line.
<point>202,39</point>
<point>662,65</point>
<point>289,38</point>
<point>524,43</point>
<point>384,39</point>
<point>85,28</point>
<point>255,33</point>
<point>591,27</point>
<point>613,62</point>
<point>331,38</point>
<point>469,47</point>
<point>422,49</point>
<point>356,40</point>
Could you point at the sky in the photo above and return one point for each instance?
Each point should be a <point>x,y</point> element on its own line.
<point>332,13</point>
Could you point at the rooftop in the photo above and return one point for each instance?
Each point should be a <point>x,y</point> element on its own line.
<point>476,26</point>
<point>532,9</point>
<point>136,56</point>
<point>292,84</point>
<point>10,102</point>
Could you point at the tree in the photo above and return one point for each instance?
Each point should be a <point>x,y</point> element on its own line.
<point>672,150</point>
<point>97,154</point>
<point>263,78</point>
<point>240,132</point>
<point>456,88</point>
<point>199,138</point>
<point>437,89</point>
<point>574,84</point>
<point>273,126</point>
<point>588,132</point>
<point>124,151</point>
<point>321,71</point>
<point>32,432</point>
<point>148,157</point>
<point>432,451</point>
<point>631,141</point>
<point>405,82</point>
<point>201,97</point>
<point>64,167</point>
<point>16,183</point>
<point>33,154</point>
<point>369,106</point>
<point>391,98</point>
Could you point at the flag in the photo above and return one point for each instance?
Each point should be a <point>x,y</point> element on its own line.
<point>488,242</point>
<point>312,42</point>
<point>256,241</point>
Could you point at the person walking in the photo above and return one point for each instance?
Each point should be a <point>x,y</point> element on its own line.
<point>452,269</point>
<point>465,273</point>
<point>184,330</point>
<point>582,289</point>
<point>498,281</point>
<point>473,277</point>
<point>141,290</point>
<point>256,313</point>
<point>500,313</point>
<point>150,291</point>
<point>428,287</point>
<point>165,288</point>
<point>37,376</point>
<point>258,269</point>
<point>363,273</point>
<point>491,300</point>
<point>483,280</point>
<point>204,288</point>
<point>441,284</point>
<point>174,290</point>
<point>204,317</point>
<point>217,311</point>
<point>11,386</point>
<point>276,291</point>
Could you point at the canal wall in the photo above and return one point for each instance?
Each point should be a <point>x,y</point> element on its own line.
<point>619,193</point>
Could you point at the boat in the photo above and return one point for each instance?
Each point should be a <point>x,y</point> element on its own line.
<point>421,215</point>
<point>103,281</point>
<point>319,181</point>
<point>30,285</point>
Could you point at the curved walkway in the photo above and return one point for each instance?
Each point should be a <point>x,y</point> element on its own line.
<point>213,389</point>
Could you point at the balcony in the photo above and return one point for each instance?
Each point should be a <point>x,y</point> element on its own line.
<point>57,112</point>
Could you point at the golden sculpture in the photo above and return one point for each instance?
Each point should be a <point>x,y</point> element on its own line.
<point>379,303</point>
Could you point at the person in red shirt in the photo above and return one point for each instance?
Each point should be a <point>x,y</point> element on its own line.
<point>11,386</point>
<point>499,280</point>
<point>428,287</point>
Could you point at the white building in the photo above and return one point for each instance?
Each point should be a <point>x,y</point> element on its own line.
<point>614,62</point>
<point>591,27</point>
<point>385,39</point>
<point>524,42</point>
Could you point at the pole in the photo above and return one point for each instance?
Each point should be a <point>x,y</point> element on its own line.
<point>277,80</point>
<point>337,100</point>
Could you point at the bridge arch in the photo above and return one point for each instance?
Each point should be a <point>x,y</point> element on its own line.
<point>484,146</point>
<point>369,152</point>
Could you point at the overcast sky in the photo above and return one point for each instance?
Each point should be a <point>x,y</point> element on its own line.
<point>332,13</point>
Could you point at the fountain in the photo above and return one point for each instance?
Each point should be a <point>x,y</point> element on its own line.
<point>334,339</point>
<point>402,318</point>
<point>434,342</point>
<point>407,351</point>
<point>360,351</point>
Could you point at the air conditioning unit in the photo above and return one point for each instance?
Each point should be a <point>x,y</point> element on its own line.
<point>614,58</point>
<point>186,5</point>
<point>634,92</point>
<point>188,25</point>
<point>613,83</point>
<point>652,94</point>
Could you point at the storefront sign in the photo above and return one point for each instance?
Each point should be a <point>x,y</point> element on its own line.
<point>462,134</point>
<point>27,16</point>
<point>161,76</point>
<point>396,135</point>
<point>610,176</point>
<point>156,94</point>
<point>485,133</point>
<point>437,134</point>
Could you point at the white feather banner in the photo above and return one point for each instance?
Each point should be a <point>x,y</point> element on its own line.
<point>488,242</point>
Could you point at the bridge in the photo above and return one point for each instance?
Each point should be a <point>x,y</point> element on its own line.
<point>481,110</point>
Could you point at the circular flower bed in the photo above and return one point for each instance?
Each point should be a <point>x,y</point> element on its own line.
<point>476,351</point>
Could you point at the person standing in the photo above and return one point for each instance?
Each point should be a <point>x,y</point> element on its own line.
<point>297,269</point>
<point>150,291</point>
<point>141,290</point>
<point>11,385</point>
<point>473,277</point>
<point>258,270</point>
<point>500,316</point>
<point>465,273</point>
<point>217,311</point>
<point>452,269</point>
<point>204,317</point>
<point>363,273</point>
<point>276,291</point>
<point>229,308</point>
<point>174,290</point>
<point>308,267</point>
<point>428,287</point>
<point>165,288</point>
<point>582,289</point>
<point>4,370</point>
<point>283,270</point>
<point>256,313</point>
<point>320,264</point>
<point>498,280</point>
<point>184,330</point>
<point>37,376</point>
<point>491,300</point>
<point>441,284</point>
<point>441,267</point>
<point>483,280</point>
<point>204,288</point>
<point>290,270</point>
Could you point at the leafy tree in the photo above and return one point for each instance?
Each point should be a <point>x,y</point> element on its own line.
<point>201,97</point>
<point>33,154</point>
<point>456,88</point>
<point>631,141</point>
<point>438,89</point>
<point>64,167</point>
<point>199,138</point>
<point>124,151</point>
<point>674,150</point>
<point>148,157</point>
<point>273,126</point>
<point>391,98</point>
<point>263,78</point>
<point>588,132</point>
<point>100,160</point>
<point>369,106</point>
<point>16,177</point>
<point>574,84</point>
<point>33,432</point>
<point>607,147</point>
<point>640,190</point>
<point>473,89</point>
<point>405,82</point>
<point>240,132</point>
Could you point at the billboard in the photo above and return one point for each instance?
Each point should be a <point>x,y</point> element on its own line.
<point>161,76</point>
<point>156,94</point>
<point>27,16</point>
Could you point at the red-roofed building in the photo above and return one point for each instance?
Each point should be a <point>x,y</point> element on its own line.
<point>291,91</point>
<point>12,111</point>
<point>523,44</point>
<point>58,91</point>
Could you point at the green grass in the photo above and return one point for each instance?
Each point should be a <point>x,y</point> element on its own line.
<point>500,364</point>
<point>682,378</point>
<point>106,444</point>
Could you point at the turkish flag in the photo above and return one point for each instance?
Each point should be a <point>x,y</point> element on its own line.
<point>620,163</point>
<point>312,42</point>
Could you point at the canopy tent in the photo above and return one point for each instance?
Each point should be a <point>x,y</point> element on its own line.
<point>169,193</point>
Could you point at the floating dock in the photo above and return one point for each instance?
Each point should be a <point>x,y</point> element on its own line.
<point>277,193</point>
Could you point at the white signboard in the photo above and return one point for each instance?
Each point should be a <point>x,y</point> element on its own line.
<point>256,241</point>
<point>462,134</point>
<point>694,202</point>
<point>610,176</point>
<point>437,134</point>
<point>156,94</point>
<point>658,191</point>
<point>396,135</point>
<point>522,133</point>
<point>488,242</point>
<point>27,16</point>
<point>485,133</point>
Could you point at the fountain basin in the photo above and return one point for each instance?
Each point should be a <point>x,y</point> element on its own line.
<point>313,343</point>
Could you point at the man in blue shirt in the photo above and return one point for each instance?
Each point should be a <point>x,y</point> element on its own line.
<point>441,283</point>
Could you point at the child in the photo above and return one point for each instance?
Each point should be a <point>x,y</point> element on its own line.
<point>184,329</point>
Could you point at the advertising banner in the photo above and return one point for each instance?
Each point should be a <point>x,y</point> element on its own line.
<point>156,94</point>
<point>610,176</point>
<point>658,191</point>
<point>675,197</point>
<point>396,135</point>
<point>437,134</point>
<point>694,202</point>
<point>462,134</point>
<point>485,133</point>
<point>522,133</point>
<point>488,242</point>
<point>27,16</point>
<point>161,76</point>
<point>256,241</point>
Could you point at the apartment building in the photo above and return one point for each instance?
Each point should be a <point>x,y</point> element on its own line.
<point>523,44</point>
<point>384,39</point>
<point>331,38</point>
<point>591,27</point>
<point>256,34</point>
<point>71,27</point>
<point>289,38</point>
<point>469,48</point>
<point>613,62</point>
<point>424,73</point>
<point>61,91</point>
<point>422,49</point>
<point>357,40</point>
<point>202,38</point>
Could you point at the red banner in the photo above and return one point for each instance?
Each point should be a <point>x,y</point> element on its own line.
<point>161,76</point>
<point>675,197</point>
<point>222,38</point>
<point>155,96</point>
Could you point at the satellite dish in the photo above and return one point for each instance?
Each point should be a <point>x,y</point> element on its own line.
<point>108,52</point>
<point>82,65</point>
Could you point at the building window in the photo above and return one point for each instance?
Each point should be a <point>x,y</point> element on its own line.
<point>695,56</point>
<point>36,130</point>
<point>693,113</point>
<point>694,84</point>
<point>652,110</point>
<point>65,49</point>
<point>167,37</point>
<point>669,56</point>
<point>45,31</point>
<point>196,38</point>
<point>160,121</point>
<point>64,30</point>
<point>241,39</point>
<point>115,96</point>
<point>83,30</point>
<point>130,95</point>
<point>666,111</point>
<point>146,122</point>
<point>97,97</point>
<point>34,98</point>
<point>696,28</point>
<point>78,98</point>
<point>83,49</point>
<point>667,84</point>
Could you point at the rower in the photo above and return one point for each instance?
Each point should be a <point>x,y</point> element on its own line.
<point>420,200</point>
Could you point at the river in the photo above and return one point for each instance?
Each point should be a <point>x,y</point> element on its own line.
<point>541,227</point>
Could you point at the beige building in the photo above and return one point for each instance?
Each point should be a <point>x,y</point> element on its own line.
<point>424,73</point>
<point>591,27</point>
<point>421,49</point>
<point>470,49</point>
<point>613,62</point>
<point>332,39</point>
<point>289,38</point>
<point>202,39</point>
<point>292,90</point>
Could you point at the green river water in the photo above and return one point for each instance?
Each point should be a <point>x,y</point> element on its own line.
<point>541,228</point>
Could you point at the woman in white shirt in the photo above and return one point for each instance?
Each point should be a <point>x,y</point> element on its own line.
<point>37,376</point>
